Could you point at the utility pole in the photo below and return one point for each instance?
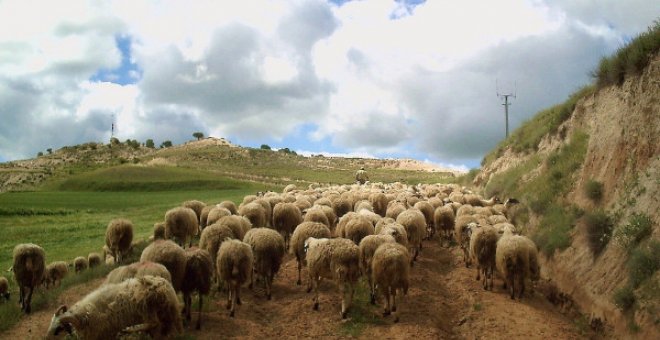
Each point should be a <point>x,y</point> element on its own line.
<point>112,134</point>
<point>506,105</point>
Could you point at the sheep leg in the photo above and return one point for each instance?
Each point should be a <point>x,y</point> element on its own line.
<point>372,287</point>
<point>478,273</point>
<point>229,297</point>
<point>269,283</point>
<point>28,306</point>
<point>299,282</point>
<point>521,286</point>
<point>344,302</point>
<point>512,288</point>
<point>199,312</point>
<point>187,302</point>
<point>386,292</point>
<point>21,297</point>
<point>394,309</point>
<point>232,302</point>
<point>238,295</point>
<point>315,283</point>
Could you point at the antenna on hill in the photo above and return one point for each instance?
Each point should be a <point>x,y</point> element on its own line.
<point>506,102</point>
<point>112,133</point>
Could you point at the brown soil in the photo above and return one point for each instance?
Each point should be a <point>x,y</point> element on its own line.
<point>444,302</point>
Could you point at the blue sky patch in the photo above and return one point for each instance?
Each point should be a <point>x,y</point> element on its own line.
<point>127,73</point>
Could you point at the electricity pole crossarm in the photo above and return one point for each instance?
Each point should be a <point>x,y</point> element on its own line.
<point>506,105</point>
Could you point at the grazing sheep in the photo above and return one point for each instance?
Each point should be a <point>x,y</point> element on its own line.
<point>357,228</point>
<point>55,272</point>
<point>415,224</point>
<point>181,223</point>
<point>341,206</point>
<point>379,202</point>
<point>391,273</point>
<point>268,250</point>
<point>216,214</point>
<point>138,269</point>
<point>79,264</point>
<point>394,209</point>
<point>512,261</point>
<point>118,238</point>
<point>465,209</point>
<point>212,237</point>
<point>94,260</point>
<point>501,228</point>
<point>204,216</point>
<point>483,245</point>
<point>316,215</point>
<point>239,225</point>
<point>337,259</point>
<point>268,210</point>
<point>534,272</point>
<point>368,246</point>
<point>229,205</point>
<point>329,214</point>
<point>29,266</point>
<point>496,219</point>
<point>503,208</point>
<point>443,217</point>
<point>286,216</point>
<point>170,255</point>
<point>147,304</point>
<point>255,212</point>
<point>395,230</point>
<point>234,266</point>
<point>197,278</point>
<point>427,209</point>
<point>363,205</point>
<point>462,232</point>
<point>289,188</point>
<point>159,231</point>
<point>302,232</point>
<point>4,288</point>
<point>196,206</point>
<point>249,199</point>
<point>302,203</point>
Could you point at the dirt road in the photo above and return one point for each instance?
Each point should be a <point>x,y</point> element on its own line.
<point>444,302</point>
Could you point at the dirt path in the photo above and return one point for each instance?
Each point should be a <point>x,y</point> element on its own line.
<point>444,302</point>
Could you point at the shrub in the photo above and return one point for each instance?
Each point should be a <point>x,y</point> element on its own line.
<point>166,144</point>
<point>639,227</point>
<point>599,230</point>
<point>39,154</point>
<point>594,190</point>
<point>624,298</point>
<point>265,147</point>
<point>198,135</point>
<point>643,263</point>
<point>150,143</point>
<point>555,228</point>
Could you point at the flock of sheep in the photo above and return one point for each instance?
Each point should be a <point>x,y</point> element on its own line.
<point>339,233</point>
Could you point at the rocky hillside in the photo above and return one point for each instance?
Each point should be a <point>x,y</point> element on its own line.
<point>589,183</point>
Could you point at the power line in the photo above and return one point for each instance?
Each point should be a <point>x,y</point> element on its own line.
<point>506,104</point>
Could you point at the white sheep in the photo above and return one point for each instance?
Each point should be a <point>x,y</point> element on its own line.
<point>234,266</point>
<point>483,245</point>
<point>118,238</point>
<point>80,264</point>
<point>337,259</point>
<point>286,216</point>
<point>93,259</point>
<point>197,278</point>
<point>463,226</point>
<point>415,223</point>
<point>55,272</point>
<point>29,266</point>
<point>368,246</point>
<point>302,232</point>
<point>255,212</point>
<point>147,304</point>
<point>268,250</point>
<point>170,255</point>
<point>443,218</point>
<point>391,272</point>
<point>4,288</point>
<point>138,269</point>
<point>181,223</point>
<point>512,261</point>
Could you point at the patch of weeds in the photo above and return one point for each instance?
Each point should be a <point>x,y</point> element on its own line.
<point>630,235</point>
<point>477,307</point>
<point>360,314</point>
<point>624,298</point>
<point>555,228</point>
<point>599,230</point>
<point>594,190</point>
<point>643,263</point>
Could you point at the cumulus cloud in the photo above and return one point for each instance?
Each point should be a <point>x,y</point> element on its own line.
<point>379,78</point>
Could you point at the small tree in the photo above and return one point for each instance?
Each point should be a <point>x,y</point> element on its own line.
<point>166,144</point>
<point>198,135</point>
<point>50,151</point>
<point>40,154</point>
<point>114,141</point>
<point>150,143</point>
<point>265,147</point>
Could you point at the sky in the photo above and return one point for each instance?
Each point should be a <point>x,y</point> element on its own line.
<point>372,78</point>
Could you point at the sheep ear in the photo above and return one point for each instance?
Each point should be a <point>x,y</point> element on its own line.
<point>61,310</point>
<point>69,320</point>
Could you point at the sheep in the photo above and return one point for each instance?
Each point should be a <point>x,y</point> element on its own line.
<point>149,302</point>
<point>229,205</point>
<point>181,223</point>
<point>170,255</point>
<point>341,206</point>
<point>138,269</point>
<point>4,288</point>
<point>415,224</point>
<point>357,228</point>
<point>379,202</point>
<point>391,272</point>
<point>512,262</point>
<point>286,216</point>
<point>94,259</point>
<point>289,188</point>
<point>483,244</point>
<point>341,225</point>
<point>197,278</point>
<point>465,209</point>
<point>368,246</point>
<point>329,214</point>
<point>255,212</point>
<point>337,259</point>
<point>196,206</point>
<point>316,215</point>
<point>216,214</point>
<point>427,209</point>
<point>363,204</point>
<point>443,217</point>
<point>212,237</point>
<point>302,204</point>
<point>238,225</point>
<point>268,250</point>
<point>534,271</point>
<point>29,266</point>
<point>495,219</point>
<point>234,266</point>
<point>248,199</point>
<point>55,272</point>
<point>503,208</point>
<point>118,238</point>
<point>501,228</point>
<point>462,230</point>
<point>80,264</point>
<point>204,216</point>
<point>396,230</point>
<point>302,232</point>
<point>268,210</point>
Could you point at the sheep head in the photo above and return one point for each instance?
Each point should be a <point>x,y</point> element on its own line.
<point>62,321</point>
